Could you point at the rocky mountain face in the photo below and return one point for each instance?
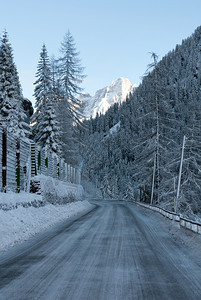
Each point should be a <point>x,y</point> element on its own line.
<point>107,96</point>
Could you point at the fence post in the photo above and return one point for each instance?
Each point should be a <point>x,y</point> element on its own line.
<point>50,169</point>
<point>18,165</point>
<point>58,168</point>
<point>33,160</point>
<point>46,162</point>
<point>71,174</point>
<point>68,176</point>
<point>66,172</point>
<point>4,159</point>
<point>62,169</point>
<point>79,177</point>
<point>39,161</point>
<point>74,178</point>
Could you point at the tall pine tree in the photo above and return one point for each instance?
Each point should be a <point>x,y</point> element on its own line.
<point>11,99</point>
<point>70,79</point>
<point>46,128</point>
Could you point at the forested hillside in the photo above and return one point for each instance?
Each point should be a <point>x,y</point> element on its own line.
<point>140,157</point>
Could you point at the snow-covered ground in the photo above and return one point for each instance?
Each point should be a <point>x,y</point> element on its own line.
<point>18,225</point>
<point>12,200</point>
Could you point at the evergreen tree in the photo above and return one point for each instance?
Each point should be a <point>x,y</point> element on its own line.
<point>56,80</point>
<point>46,128</point>
<point>71,75</point>
<point>43,84</point>
<point>49,130</point>
<point>70,79</point>
<point>11,99</point>
<point>105,187</point>
<point>129,192</point>
<point>115,189</point>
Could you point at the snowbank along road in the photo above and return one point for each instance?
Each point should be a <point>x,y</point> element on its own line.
<point>114,251</point>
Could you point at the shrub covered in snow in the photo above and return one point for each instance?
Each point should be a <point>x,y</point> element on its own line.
<point>35,203</point>
<point>58,192</point>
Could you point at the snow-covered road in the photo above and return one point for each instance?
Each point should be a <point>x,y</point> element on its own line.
<point>115,251</point>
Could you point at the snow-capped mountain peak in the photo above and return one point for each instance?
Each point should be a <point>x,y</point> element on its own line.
<point>105,97</point>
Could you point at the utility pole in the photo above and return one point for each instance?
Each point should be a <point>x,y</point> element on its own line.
<point>153,180</point>
<point>174,194</point>
<point>4,160</point>
<point>18,164</point>
<point>180,170</point>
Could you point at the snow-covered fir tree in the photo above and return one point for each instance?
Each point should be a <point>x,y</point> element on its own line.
<point>105,187</point>
<point>129,194</point>
<point>71,75</point>
<point>11,99</point>
<point>46,129</point>
<point>70,79</point>
<point>56,80</point>
<point>49,130</point>
<point>43,84</point>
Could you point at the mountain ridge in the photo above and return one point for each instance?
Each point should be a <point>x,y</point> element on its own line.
<point>106,97</point>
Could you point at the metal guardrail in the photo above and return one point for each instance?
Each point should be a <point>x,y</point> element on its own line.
<point>184,222</point>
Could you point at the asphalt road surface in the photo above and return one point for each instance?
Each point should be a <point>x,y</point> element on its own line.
<point>115,251</point>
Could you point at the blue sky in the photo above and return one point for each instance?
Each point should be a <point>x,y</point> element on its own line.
<point>114,37</point>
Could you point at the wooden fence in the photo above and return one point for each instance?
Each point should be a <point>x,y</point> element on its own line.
<point>21,159</point>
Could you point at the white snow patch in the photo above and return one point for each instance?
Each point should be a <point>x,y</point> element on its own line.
<point>20,224</point>
<point>18,221</point>
<point>115,128</point>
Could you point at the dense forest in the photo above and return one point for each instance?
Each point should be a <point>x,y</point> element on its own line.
<point>134,150</point>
